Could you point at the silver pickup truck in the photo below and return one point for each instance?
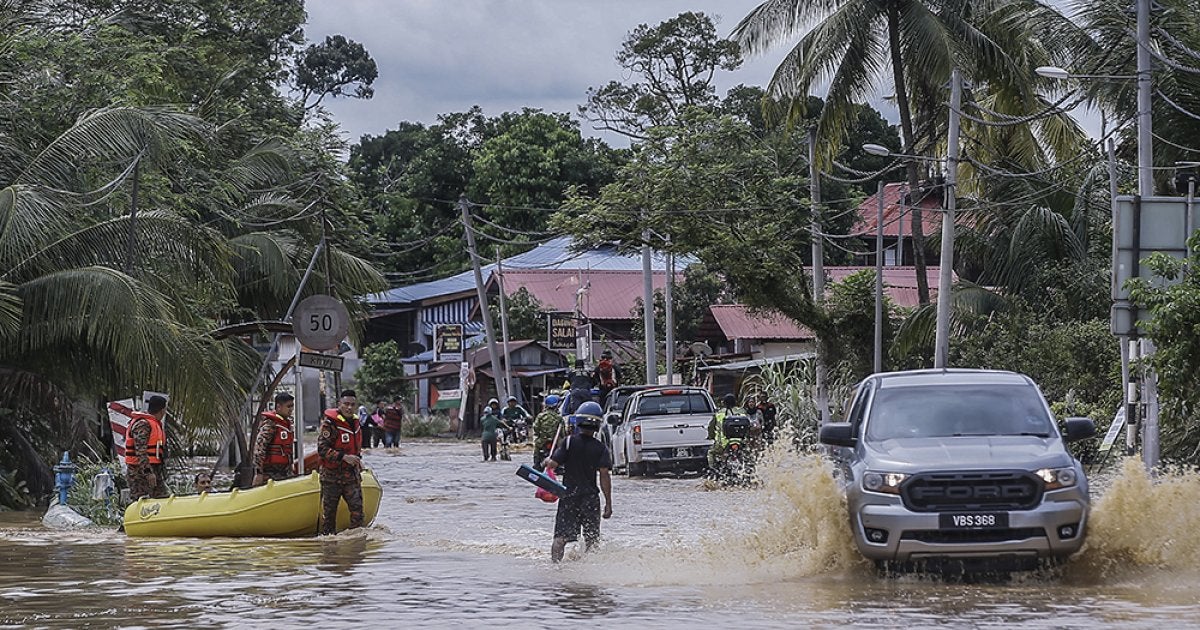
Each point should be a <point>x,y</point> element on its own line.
<point>959,470</point>
<point>663,428</point>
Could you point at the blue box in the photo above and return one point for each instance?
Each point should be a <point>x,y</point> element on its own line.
<point>539,479</point>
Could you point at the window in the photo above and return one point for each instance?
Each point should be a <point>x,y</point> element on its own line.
<point>669,404</point>
<point>958,411</point>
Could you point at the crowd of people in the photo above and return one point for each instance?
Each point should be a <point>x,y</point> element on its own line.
<point>564,434</point>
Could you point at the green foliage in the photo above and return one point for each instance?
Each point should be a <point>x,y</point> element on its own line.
<point>80,498</point>
<point>1076,359</point>
<point>332,67</point>
<point>380,375</point>
<point>851,306</point>
<point>1174,327</point>
<point>424,426</point>
<point>14,495</point>
<point>526,319</point>
<point>675,63</point>
<point>790,386</point>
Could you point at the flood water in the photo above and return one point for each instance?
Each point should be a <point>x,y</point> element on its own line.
<point>463,543</point>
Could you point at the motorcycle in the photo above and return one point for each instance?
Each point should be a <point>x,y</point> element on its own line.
<point>735,464</point>
<point>502,441</point>
<point>520,431</point>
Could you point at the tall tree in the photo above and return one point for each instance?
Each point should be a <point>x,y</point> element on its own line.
<point>674,63</point>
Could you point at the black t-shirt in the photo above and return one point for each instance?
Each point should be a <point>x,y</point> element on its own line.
<point>582,456</point>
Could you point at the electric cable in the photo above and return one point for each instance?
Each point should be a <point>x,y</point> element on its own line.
<point>1172,103</point>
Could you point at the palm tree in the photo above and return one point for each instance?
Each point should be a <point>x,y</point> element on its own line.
<point>849,42</point>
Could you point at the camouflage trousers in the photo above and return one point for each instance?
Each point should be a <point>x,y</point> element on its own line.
<point>333,489</point>
<point>147,481</point>
<point>278,474</point>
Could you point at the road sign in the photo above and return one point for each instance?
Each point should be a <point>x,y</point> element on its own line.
<point>560,331</point>
<point>320,322</point>
<point>448,343</point>
<point>1143,226</point>
<point>1114,430</point>
<point>321,361</point>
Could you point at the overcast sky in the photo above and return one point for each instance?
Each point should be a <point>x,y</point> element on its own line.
<point>439,56</point>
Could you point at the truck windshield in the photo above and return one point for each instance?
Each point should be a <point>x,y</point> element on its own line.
<point>955,411</point>
<point>672,404</point>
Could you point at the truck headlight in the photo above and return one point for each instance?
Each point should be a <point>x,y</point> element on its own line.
<point>1056,478</point>
<point>885,482</point>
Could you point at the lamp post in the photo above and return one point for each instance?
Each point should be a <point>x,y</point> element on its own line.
<point>945,270</point>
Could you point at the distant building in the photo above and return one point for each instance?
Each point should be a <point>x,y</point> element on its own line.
<point>551,271</point>
<point>897,225</point>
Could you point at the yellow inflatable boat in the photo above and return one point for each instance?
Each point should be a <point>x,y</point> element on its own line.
<point>286,508</point>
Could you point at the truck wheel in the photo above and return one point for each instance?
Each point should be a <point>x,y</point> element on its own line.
<point>634,469</point>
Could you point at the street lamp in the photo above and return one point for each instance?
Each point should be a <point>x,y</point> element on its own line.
<point>942,331</point>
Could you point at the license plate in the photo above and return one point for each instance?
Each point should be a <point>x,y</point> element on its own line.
<point>681,453</point>
<point>974,520</point>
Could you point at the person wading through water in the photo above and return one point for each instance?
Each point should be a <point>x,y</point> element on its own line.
<point>584,458</point>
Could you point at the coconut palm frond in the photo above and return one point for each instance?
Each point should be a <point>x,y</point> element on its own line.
<point>169,243</point>
<point>774,21</point>
<point>268,163</point>
<point>118,135</point>
<point>28,219</point>
<point>10,310</point>
<point>265,272</point>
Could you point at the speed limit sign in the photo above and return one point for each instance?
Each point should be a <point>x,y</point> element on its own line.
<point>320,322</point>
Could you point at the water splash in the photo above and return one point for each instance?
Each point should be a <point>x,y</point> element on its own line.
<point>794,525</point>
<point>1141,523</point>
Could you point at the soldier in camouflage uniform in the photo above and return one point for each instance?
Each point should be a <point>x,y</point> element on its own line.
<point>338,446</point>
<point>546,426</point>
<point>275,444</point>
<point>146,451</point>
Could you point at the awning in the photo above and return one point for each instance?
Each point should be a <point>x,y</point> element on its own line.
<point>528,372</point>
<point>740,366</point>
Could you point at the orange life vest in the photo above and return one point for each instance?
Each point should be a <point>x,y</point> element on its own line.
<point>606,373</point>
<point>156,446</point>
<point>283,439</point>
<point>347,437</point>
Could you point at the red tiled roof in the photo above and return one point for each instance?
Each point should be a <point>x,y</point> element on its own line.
<point>611,294</point>
<point>868,213</point>
<point>737,322</point>
<point>899,283</point>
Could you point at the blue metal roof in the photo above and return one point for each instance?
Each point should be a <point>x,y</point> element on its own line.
<point>553,254</point>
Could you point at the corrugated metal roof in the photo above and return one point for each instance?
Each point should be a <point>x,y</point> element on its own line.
<point>610,294</point>
<point>555,254</point>
<point>868,213</point>
<point>737,322</point>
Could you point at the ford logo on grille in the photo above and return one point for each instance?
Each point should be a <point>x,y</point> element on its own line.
<point>984,492</point>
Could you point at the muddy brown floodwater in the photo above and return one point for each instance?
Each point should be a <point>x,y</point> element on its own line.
<point>460,543</point>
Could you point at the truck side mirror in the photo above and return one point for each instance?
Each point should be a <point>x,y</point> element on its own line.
<point>838,434</point>
<point>1079,429</point>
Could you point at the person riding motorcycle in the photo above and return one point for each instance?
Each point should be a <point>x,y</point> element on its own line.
<point>516,417</point>
<point>716,429</point>
<point>546,426</point>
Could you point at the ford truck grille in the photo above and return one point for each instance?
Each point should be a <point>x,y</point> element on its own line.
<point>956,492</point>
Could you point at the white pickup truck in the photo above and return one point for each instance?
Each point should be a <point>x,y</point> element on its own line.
<point>664,428</point>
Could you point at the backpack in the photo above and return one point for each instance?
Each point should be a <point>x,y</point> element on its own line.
<point>606,373</point>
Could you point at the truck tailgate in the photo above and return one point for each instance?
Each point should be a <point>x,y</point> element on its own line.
<point>674,431</point>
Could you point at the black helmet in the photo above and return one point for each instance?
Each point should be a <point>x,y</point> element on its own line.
<point>729,400</point>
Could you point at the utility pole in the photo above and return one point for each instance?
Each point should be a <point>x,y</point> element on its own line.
<point>670,306</point>
<point>504,323</point>
<point>1145,146</point>
<point>481,294</point>
<point>818,268</point>
<point>946,265</point>
<point>648,310</point>
<point>879,281</point>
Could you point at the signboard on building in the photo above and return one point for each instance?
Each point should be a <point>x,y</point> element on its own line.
<point>1143,226</point>
<point>560,331</point>
<point>448,343</point>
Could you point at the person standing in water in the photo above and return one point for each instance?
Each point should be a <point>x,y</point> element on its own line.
<point>585,459</point>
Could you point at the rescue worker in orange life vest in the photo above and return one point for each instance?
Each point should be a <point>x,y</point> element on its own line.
<point>339,445</point>
<point>274,447</point>
<point>607,374</point>
<point>146,451</point>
